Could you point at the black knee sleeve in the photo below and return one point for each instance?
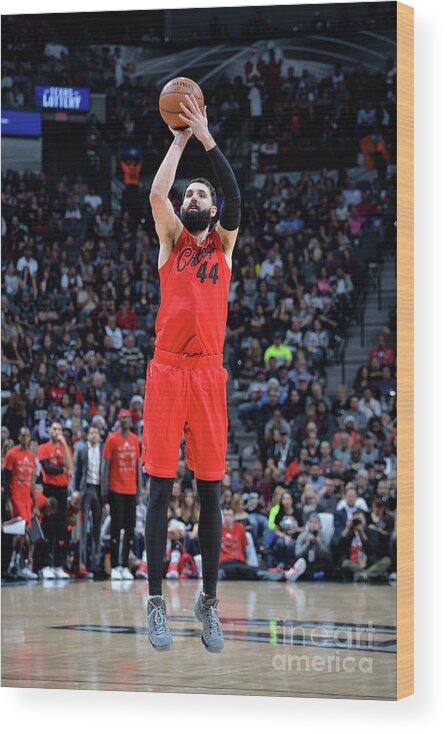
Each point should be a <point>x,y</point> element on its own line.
<point>156,527</point>
<point>210,532</point>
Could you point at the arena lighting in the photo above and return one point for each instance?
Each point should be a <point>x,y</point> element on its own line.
<point>62,98</point>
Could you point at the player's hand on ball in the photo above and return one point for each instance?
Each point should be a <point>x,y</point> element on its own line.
<point>196,120</point>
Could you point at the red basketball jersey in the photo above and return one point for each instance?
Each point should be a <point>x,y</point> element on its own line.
<point>194,284</point>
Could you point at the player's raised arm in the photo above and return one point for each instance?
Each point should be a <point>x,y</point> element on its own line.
<point>167,224</point>
<point>230,216</point>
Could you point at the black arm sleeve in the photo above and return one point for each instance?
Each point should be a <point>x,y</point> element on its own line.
<point>52,469</point>
<point>230,216</point>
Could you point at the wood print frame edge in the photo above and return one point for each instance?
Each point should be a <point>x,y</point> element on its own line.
<point>405,349</point>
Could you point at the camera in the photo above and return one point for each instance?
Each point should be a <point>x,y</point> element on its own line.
<point>314,533</point>
<point>356,522</point>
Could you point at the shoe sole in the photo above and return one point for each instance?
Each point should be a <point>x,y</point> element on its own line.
<point>215,650</point>
<point>207,647</point>
<point>164,648</point>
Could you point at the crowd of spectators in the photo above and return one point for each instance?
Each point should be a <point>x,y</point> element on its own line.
<point>283,113</point>
<point>80,298</point>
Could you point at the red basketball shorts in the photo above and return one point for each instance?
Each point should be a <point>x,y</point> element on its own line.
<point>186,394</point>
<point>22,505</point>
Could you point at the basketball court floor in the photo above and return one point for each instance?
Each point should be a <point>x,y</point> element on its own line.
<point>301,639</point>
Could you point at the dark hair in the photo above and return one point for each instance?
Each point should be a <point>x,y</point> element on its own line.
<point>209,186</point>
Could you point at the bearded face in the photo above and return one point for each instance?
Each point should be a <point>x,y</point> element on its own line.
<point>194,218</point>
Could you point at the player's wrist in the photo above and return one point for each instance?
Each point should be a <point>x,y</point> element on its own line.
<point>179,141</point>
<point>208,142</point>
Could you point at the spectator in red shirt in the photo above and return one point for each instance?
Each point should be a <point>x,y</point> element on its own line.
<point>56,461</point>
<point>19,476</point>
<point>126,317</point>
<point>121,485</point>
<point>233,564</point>
<point>384,354</point>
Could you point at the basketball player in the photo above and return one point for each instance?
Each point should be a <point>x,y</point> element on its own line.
<point>185,381</point>
<point>19,480</point>
<point>56,462</point>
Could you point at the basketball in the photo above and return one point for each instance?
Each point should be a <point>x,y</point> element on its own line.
<point>172,94</point>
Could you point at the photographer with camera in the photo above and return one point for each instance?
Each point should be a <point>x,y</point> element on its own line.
<point>313,549</point>
<point>362,554</point>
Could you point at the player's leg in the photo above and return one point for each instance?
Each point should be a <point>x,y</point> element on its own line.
<point>129,517</point>
<point>210,532</point>
<point>96,531</point>
<point>87,499</point>
<point>156,530</point>
<point>116,516</point>
<point>60,544</point>
<point>206,445</point>
<point>210,538</point>
<point>164,412</point>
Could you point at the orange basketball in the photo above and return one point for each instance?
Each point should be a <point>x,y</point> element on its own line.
<point>172,94</point>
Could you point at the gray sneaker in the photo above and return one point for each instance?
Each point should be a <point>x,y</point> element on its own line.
<point>159,633</point>
<point>206,612</point>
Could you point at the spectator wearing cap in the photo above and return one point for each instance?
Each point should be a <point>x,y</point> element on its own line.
<point>136,408</point>
<point>279,350</point>
<point>121,484</point>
